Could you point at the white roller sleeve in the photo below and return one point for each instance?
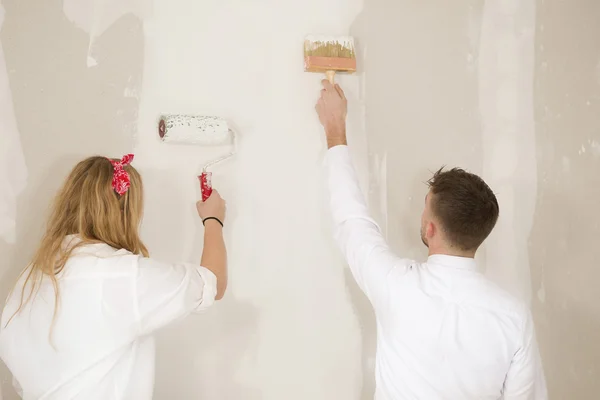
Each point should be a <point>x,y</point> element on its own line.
<point>198,130</point>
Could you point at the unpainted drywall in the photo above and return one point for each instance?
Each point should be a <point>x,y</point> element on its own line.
<point>509,90</point>
<point>64,111</point>
<point>564,249</point>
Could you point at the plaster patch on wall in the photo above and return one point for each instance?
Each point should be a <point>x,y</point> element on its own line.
<point>592,145</point>
<point>541,293</point>
<point>566,163</point>
<point>383,193</point>
<point>473,32</point>
<point>379,184</point>
<point>96,16</point>
<point>506,65</point>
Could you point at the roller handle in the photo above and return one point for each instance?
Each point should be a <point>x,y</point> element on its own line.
<point>205,185</point>
<point>330,76</point>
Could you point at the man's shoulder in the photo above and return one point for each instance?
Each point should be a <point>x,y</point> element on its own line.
<point>469,286</point>
<point>501,300</point>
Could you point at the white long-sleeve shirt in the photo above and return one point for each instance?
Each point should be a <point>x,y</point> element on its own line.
<point>111,301</point>
<point>444,331</point>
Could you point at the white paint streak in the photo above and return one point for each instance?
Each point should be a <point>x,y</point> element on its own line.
<point>592,145</point>
<point>595,147</point>
<point>96,16</point>
<point>383,206</point>
<point>566,164</point>
<point>541,293</point>
<point>506,64</point>
<point>378,184</point>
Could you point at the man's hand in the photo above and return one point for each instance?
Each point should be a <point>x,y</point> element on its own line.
<point>332,108</point>
<point>214,206</point>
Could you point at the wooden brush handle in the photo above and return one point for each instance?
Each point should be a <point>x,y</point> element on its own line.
<point>330,76</point>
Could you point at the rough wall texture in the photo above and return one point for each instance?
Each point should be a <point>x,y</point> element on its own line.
<point>564,249</point>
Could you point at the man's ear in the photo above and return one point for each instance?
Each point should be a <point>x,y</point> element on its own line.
<point>430,230</point>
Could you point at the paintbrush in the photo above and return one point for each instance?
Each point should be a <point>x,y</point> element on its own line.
<point>329,54</point>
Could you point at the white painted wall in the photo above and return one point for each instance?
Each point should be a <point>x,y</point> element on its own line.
<point>506,67</point>
<point>286,328</point>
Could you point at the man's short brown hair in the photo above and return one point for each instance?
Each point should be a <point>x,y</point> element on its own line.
<point>465,206</point>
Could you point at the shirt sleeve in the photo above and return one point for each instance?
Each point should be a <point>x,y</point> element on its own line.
<point>525,379</point>
<point>166,292</point>
<point>358,236</point>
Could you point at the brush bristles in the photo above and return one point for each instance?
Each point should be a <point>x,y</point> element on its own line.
<point>325,47</point>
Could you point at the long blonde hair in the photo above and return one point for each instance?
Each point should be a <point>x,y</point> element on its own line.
<point>88,207</point>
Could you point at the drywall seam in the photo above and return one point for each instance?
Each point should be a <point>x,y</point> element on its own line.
<point>96,16</point>
<point>383,193</point>
<point>378,185</point>
<point>13,171</point>
<point>505,74</point>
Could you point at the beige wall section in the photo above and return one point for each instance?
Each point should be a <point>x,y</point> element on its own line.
<point>564,242</point>
<point>64,110</point>
<point>421,106</point>
<point>422,111</point>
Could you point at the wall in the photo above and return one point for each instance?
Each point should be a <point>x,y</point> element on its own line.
<point>564,239</point>
<point>95,83</point>
<point>510,90</point>
<point>65,111</point>
<point>287,328</point>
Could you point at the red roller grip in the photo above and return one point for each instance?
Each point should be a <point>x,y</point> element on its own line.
<point>206,185</point>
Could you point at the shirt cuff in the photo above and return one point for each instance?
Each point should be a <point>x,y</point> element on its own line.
<point>339,153</point>
<point>209,290</point>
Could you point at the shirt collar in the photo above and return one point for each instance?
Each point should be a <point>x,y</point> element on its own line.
<point>453,261</point>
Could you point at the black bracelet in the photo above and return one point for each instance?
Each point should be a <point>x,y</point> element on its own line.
<point>215,218</point>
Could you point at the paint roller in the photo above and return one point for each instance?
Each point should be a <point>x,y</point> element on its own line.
<point>329,54</point>
<point>199,131</point>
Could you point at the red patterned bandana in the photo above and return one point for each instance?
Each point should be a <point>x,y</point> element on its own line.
<point>120,181</point>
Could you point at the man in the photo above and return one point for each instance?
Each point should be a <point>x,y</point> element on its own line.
<point>443,330</point>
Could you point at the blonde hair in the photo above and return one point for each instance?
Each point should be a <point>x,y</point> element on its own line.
<point>88,207</point>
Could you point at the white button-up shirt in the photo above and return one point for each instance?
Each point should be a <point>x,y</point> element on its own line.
<point>101,348</point>
<point>444,331</point>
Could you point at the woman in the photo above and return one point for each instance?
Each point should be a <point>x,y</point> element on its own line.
<point>79,322</point>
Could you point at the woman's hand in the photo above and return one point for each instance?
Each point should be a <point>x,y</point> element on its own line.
<point>214,206</point>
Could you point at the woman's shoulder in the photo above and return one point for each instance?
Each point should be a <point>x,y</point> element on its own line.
<point>100,259</point>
